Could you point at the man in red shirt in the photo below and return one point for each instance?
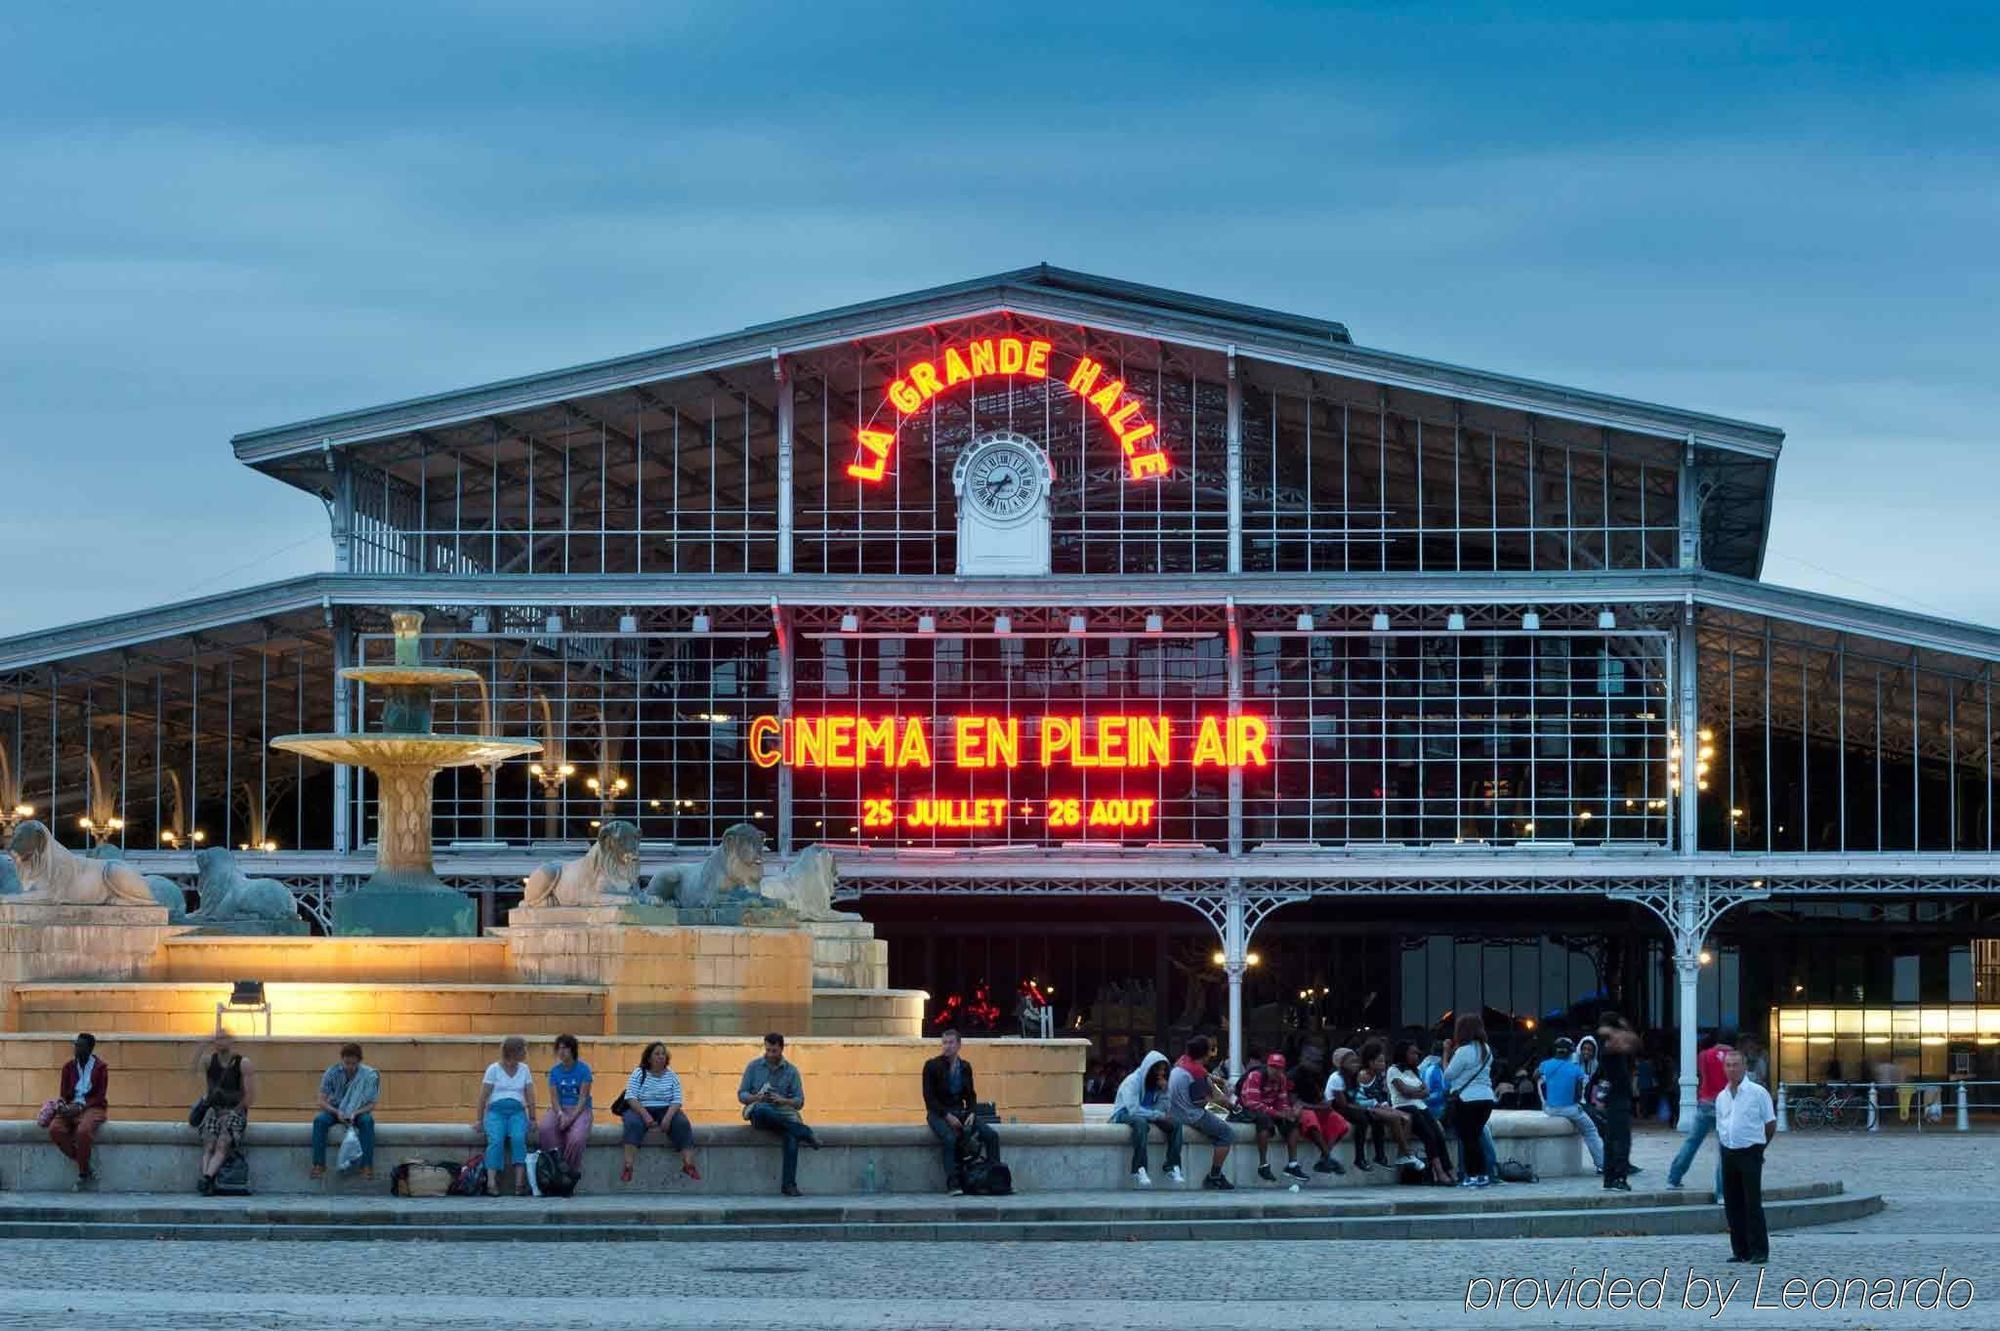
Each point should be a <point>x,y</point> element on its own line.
<point>1710,1078</point>
<point>81,1107</point>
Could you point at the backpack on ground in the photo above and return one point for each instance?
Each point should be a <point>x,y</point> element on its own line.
<point>1516,1171</point>
<point>549,1175</point>
<point>233,1179</point>
<point>471,1179</point>
<point>979,1174</point>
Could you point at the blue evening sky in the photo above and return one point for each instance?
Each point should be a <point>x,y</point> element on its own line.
<point>217,217</point>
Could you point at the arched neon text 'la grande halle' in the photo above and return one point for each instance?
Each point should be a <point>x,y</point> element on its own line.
<point>1123,413</point>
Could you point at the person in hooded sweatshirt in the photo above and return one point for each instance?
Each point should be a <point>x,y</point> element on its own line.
<point>1141,1103</point>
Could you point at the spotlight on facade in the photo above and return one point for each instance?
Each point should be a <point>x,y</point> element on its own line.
<point>1531,622</point>
<point>1003,624</point>
<point>1077,626</point>
<point>927,623</point>
<point>850,623</point>
<point>1455,621</point>
<point>555,624</point>
<point>1305,622</point>
<point>628,623</point>
<point>1156,623</point>
<point>1380,623</point>
<point>481,623</point>
<point>1607,620</point>
<point>702,623</point>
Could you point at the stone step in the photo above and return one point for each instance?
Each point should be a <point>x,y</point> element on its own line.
<point>1519,1213</point>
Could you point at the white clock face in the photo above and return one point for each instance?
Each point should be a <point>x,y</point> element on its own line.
<point>1004,480</point>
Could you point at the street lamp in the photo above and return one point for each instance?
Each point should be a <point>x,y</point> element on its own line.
<point>14,817</point>
<point>103,831</point>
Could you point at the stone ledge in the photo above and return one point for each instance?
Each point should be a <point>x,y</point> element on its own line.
<point>735,1158</point>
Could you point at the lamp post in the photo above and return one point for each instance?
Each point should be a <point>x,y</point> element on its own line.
<point>551,776</point>
<point>14,817</point>
<point>101,830</point>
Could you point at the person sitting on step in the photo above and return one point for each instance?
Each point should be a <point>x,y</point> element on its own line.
<point>1190,1086</point>
<point>1372,1089</point>
<point>949,1099</point>
<point>1409,1097</point>
<point>654,1103</point>
<point>1309,1092</point>
<point>81,1106</point>
<point>230,1087</point>
<point>506,1107</point>
<point>772,1094</point>
<point>347,1095</point>
<point>1267,1094</point>
<point>565,1124</point>
<point>1141,1104</point>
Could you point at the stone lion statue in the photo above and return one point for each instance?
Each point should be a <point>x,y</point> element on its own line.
<point>606,875</point>
<point>53,874</point>
<point>807,885</point>
<point>730,875</point>
<point>228,895</point>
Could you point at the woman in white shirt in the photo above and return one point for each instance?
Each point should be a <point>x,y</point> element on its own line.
<point>653,1103</point>
<point>506,1107</point>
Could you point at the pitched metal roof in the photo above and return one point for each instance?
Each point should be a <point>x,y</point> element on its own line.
<point>1055,293</point>
<point>326,590</point>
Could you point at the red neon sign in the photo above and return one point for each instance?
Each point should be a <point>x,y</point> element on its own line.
<point>1113,741</point>
<point>1122,412</point>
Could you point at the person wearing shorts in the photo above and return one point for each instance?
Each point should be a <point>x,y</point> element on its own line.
<point>1189,1087</point>
<point>1267,1095</point>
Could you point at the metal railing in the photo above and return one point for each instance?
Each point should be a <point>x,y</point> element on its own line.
<point>1868,1106</point>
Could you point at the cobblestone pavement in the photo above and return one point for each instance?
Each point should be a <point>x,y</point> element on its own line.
<point>1942,1216</point>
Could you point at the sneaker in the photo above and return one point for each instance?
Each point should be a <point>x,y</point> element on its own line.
<point>1619,1185</point>
<point>1176,1177</point>
<point>84,1183</point>
<point>1217,1183</point>
<point>1293,1170</point>
<point>1141,1179</point>
<point>955,1190</point>
<point>1483,1181</point>
<point>1633,1169</point>
<point>1326,1164</point>
<point>1408,1160</point>
<point>1361,1163</point>
<point>790,1190</point>
<point>1264,1172</point>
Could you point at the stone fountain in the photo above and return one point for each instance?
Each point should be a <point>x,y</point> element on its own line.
<point>405,897</point>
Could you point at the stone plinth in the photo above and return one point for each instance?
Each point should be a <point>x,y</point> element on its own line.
<point>40,941</point>
<point>847,955</point>
<point>392,912</point>
<point>355,962</point>
<point>673,981</point>
<point>435,1079</point>
<point>360,1011</point>
<point>868,1012</point>
<point>576,917</point>
<point>253,928</point>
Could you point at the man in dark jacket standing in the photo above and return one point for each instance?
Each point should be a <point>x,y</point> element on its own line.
<point>948,1099</point>
<point>81,1107</point>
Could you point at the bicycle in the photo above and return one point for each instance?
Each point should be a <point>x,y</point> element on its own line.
<point>1838,1109</point>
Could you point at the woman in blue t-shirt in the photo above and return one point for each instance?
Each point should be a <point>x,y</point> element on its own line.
<point>566,1125</point>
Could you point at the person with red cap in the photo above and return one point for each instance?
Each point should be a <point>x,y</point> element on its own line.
<point>1267,1098</point>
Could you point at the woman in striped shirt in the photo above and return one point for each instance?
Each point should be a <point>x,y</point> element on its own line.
<point>653,1103</point>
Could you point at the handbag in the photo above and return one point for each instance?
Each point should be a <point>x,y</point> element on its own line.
<point>198,1113</point>
<point>47,1114</point>
<point>620,1105</point>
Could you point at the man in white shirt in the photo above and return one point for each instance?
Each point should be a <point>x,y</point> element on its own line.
<point>1745,1122</point>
